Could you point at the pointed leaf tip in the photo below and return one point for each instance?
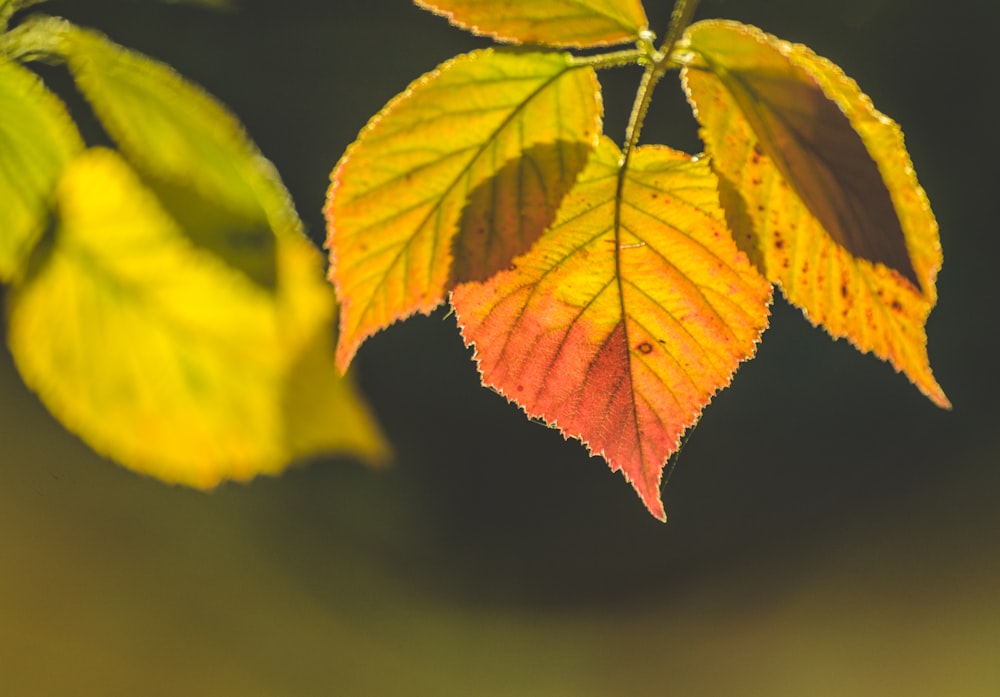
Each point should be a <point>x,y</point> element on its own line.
<point>626,316</point>
<point>819,190</point>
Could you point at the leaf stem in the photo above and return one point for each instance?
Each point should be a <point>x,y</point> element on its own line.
<point>658,64</point>
<point>680,18</point>
<point>38,38</point>
<point>615,59</point>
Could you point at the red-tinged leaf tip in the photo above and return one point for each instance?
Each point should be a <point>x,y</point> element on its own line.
<point>625,317</point>
<point>413,204</point>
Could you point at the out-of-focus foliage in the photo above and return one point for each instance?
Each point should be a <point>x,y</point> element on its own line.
<point>37,139</point>
<point>173,313</point>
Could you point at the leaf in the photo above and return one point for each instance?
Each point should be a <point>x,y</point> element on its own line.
<point>163,357</point>
<point>626,316</point>
<point>37,139</point>
<point>569,23</point>
<point>820,190</point>
<point>452,179</point>
<point>189,149</point>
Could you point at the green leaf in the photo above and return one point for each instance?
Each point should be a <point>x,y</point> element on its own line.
<point>451,180</point>
<point>37,139</point>
<point>166,359</point>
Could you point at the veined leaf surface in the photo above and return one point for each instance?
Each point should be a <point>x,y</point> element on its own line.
<point>570,23</point>
<point>626,316</point>
<point>163,357</point>
<point>37,139</point>
<point>819,189</point>
<point>454,178</point>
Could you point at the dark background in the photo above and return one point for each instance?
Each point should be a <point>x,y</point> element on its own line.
<point>830,531</point>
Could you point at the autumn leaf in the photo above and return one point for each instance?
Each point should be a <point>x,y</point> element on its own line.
<point>568,23</point>
<point>819,190</point>
<point>626,316</point>
<point>451,180</point>
<point>37,139</point>
<point>162,356</point>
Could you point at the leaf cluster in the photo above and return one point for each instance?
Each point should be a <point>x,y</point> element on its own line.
<point>612,291</point>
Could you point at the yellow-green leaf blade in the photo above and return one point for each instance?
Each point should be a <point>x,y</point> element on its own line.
<point>451,180</point>
<point>153,350</point>
<point>570,23</point>
<point>840,279</point>
<point>189,149</point>
<point>37,139</point>
<point>228,198</point>
<point>626,317</point>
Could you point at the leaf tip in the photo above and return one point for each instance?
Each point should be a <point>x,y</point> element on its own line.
<point>652,499</point>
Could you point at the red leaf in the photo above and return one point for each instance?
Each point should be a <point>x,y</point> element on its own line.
<point>626,316</point>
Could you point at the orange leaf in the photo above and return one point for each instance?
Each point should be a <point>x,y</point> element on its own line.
<point>553,22</point>
<point>820,190</point>
<point>454,178</point>
<point>626,316</point>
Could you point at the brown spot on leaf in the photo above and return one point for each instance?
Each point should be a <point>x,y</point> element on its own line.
<point>645,347</point>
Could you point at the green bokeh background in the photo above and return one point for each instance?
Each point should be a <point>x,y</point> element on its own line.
<point>831,532</point>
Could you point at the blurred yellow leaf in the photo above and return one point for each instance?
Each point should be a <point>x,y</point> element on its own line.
<point>165,358</point>
<point>552,22</point>
<point>37,139</point>
<point>189,149</point>
<point>819,190</point>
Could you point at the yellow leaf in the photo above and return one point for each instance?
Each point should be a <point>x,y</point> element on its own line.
<point>452,179</point>
<point>160,355</point>
<point>37,139</point>
<point>819,190</point>
<point>570,23</point>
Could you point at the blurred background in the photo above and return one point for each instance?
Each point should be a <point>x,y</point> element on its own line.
<point>830,531</point>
